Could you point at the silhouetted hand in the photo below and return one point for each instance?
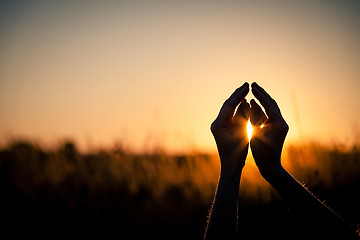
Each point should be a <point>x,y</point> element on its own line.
<point>313,217</point>
<point>269,132</point>
<point>317,220</point>
<point>229,131</point>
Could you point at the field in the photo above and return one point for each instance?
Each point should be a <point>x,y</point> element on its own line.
<point>117,193</point>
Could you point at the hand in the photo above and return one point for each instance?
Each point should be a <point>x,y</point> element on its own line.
<point>230,134</point>
<point>269,132</point>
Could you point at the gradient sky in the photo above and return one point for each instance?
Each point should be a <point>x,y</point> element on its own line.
<point>155,73</point>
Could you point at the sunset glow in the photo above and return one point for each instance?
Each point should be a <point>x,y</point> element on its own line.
<point>249,129</point>
<point>154,73</point>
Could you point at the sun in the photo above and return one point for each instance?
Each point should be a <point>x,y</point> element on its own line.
<point>249,129</point>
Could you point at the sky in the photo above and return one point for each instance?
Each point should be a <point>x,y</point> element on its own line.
<point>154,74</point>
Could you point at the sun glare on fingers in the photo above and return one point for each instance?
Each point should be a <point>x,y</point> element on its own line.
<point>249,129</point>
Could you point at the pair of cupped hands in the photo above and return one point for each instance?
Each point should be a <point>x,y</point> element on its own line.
<point>230,132</point>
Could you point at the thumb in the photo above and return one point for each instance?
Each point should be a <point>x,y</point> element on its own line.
<point>257,116</point>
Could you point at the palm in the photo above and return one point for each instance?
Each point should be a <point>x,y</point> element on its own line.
<point>229,130</point>
<point>232,141</point>
<point>266,145</point>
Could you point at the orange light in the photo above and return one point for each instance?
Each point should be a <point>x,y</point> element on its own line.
<point>249,130</point>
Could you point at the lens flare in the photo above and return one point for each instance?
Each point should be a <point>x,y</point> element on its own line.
<point>249,130</point>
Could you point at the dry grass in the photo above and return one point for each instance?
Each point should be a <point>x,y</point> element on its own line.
<point>154,195</point>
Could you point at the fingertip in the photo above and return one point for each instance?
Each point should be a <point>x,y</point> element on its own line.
<point>246,106</point>
<point>244,103</point>
<point>253,103</point>
<point>246,87</point>
<point>243,109</point>
<point>254,90</point>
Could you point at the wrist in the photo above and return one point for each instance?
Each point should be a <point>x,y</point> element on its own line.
<point>231,175</point>
<point>272,172</point>
<point>229,183</point>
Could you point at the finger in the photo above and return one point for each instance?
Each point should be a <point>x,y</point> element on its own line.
<point>242,113</point>
<point>257,116</point>
<point>238,95</point>
<point>270,105</point>
<point>256,143</point>
<point>228,108</point>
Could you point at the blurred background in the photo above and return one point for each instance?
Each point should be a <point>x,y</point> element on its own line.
<point>105,109</point>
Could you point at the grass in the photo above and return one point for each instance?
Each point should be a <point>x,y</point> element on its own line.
<point>158,195</point>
